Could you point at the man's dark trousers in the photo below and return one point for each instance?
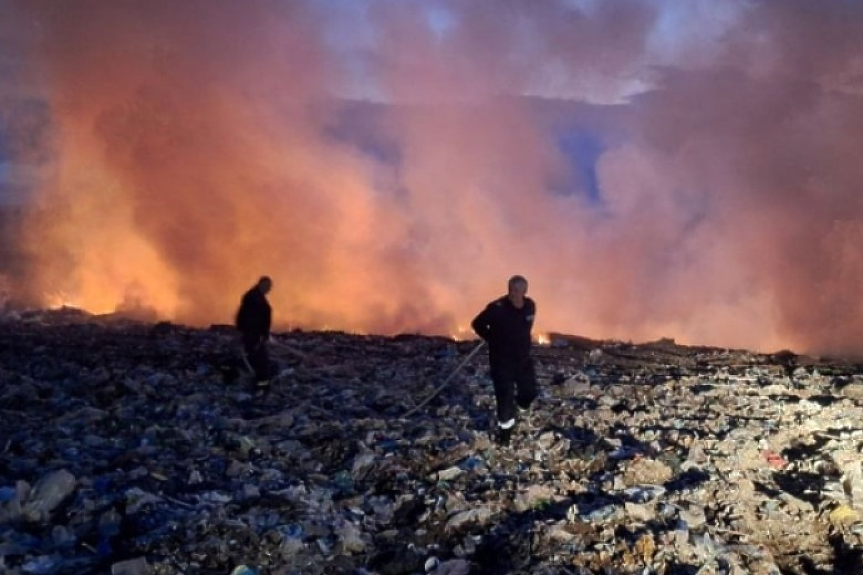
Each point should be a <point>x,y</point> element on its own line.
<point>259,360</point>
<point>514,384</point>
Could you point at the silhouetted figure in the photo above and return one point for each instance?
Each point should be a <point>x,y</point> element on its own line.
<point>505,325</point>
<point>253,320</point>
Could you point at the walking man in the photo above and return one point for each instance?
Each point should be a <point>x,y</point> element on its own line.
<point>253,320</point>
<point>505,325</point>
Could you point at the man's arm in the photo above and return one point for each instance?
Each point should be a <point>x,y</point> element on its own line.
<point>481,324</point>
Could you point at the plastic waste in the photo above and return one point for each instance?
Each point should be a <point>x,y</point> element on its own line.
<point>47,494</point>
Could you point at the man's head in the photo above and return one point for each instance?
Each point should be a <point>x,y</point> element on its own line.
<point>516,289</point>
<point>265,284</point>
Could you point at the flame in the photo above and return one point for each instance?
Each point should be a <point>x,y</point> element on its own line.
<point>462,333</point>
<point>100,262</point>
<point>59,300</point>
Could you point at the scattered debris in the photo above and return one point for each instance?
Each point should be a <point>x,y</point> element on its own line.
<point>139,449</point>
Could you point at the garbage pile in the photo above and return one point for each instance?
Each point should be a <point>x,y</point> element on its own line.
<point>132,448</point>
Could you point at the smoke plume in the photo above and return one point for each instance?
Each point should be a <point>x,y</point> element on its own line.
<point>653,170</point>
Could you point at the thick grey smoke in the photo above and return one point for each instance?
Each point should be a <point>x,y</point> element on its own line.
<point>653,169</point>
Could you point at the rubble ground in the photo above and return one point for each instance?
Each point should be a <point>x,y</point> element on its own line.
<point>133,448</point>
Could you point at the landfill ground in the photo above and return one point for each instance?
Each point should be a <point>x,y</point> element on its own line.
<point>135,448</point>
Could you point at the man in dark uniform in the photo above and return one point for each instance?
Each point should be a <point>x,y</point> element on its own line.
<point>253,321</point>
<point>505,324</point>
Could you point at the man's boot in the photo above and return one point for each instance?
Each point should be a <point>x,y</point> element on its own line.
<point>504,432</point>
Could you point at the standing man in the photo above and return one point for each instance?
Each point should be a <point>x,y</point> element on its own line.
<point>253,320</point>
<point>505,325</point>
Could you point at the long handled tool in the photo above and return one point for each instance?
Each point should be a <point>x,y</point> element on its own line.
<point>246,363</point>
<point>278,346</point>
<point>446,381</point>
<point>288,349</point>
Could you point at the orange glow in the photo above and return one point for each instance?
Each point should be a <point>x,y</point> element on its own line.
<point>91,254</point>
<point>193,146</point>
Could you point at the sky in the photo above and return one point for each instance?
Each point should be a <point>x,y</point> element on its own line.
<point>654,168</point>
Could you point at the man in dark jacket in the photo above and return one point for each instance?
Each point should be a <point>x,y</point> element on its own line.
<point>253,320</point>
<point>505,325</point>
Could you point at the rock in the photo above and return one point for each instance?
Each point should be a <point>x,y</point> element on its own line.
<point>448,474</point>
<point>639,513</point>
<point>534,496</point>
<point>646,472</point>
<point>853,390</point>
<point>470,516</point>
